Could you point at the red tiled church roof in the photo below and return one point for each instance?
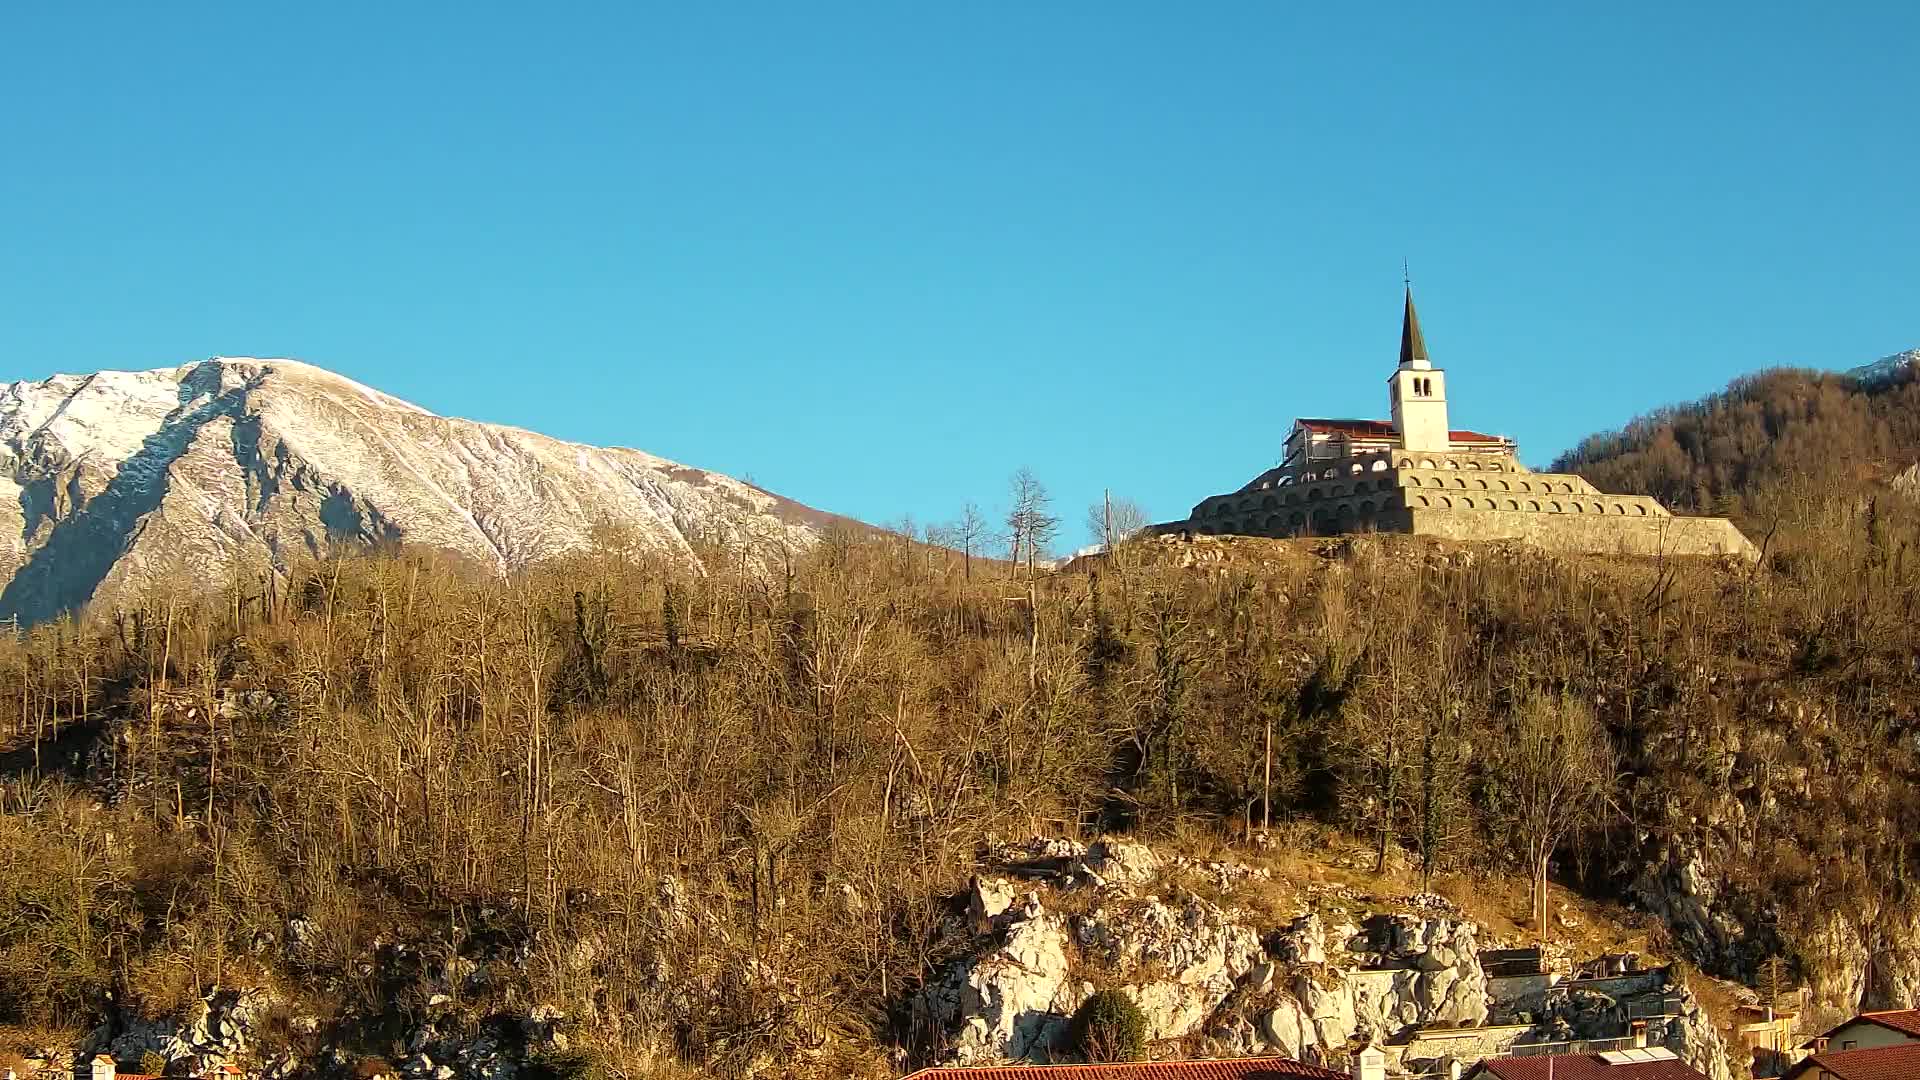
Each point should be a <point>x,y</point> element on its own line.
<point>1269,1068</point>
<point>1586,1067</point>
<point>1379,429</point>
<point>1900,1061</point>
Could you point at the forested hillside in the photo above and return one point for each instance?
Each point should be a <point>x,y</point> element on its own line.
<point>720,820</point>
<point>1752,450</point>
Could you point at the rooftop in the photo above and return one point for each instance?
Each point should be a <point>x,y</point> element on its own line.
<point>1898,1062</point>
<point>1268,1068</point>
<point>1378,429</point>
<point>1652,1063</point>
<point>1906,1021</point>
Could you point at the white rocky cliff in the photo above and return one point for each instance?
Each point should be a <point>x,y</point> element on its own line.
<point>119,480</point>
<point>1406,974</point>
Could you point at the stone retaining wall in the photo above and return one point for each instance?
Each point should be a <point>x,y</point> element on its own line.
<point>1461,1044</point>
<point>1593,534</point>
<point>1628,985</point>
<point>1508,992</point>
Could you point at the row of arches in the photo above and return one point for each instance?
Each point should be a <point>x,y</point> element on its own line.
<point>1282,524</point>
<point>1451,463</point>
<point>1550,506</point>
<point>1274,519</point>
<point>1293,498</point>
<point>1378,464</point>
<point>1362,487</point>
<point>1544,486</point>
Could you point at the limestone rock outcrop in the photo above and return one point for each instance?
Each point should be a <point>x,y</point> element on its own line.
<point>1179,961</point>
<point>1683,891</point>
<point>1442,954</point>
<point>1115,862</point>
<point>1858,953</point>
<point>1012,1002</point>
<point>1693,1036</point>
<point>1068,919</point>
<point>1197,968</point>
<point>218,1031</point>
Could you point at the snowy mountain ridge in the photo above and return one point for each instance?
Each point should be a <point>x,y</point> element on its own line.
<point>1885,368</point>
<point>122,480</point>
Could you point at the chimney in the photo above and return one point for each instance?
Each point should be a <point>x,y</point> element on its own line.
<point>1639,1034</point>
<point>1370,1063</point>
<point>102,1067</point>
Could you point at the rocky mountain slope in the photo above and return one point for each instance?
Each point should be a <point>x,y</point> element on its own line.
<point>119,480</point>
<point>1887,368</point>
<point>1223,958</point>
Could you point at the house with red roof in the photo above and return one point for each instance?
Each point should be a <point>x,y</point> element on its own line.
<point>103,1067</point>
<point>1894,1061</point>
<point>1869,1030</point>
<point>1871,1046</point>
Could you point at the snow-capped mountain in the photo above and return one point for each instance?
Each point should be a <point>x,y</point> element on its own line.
<point>1886,368</point>
<point>123,479</point>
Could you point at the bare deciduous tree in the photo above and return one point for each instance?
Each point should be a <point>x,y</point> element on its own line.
<point>1031,523</point>
<point>969,531</point>
<point>1556,772</point>
<point>1115,521</point>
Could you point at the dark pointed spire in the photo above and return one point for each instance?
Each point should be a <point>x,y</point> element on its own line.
<point>1413,347</point>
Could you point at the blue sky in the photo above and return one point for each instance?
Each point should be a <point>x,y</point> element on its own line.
<point>878,256</point>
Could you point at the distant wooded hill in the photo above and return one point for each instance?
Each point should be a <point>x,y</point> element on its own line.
<point>1766,431</point>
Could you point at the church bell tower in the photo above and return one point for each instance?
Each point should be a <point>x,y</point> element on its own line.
<point>1419,391</point>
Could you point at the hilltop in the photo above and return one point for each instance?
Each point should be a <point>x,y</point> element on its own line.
<point>1758,444</point>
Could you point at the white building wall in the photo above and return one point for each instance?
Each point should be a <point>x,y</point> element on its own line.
<point>1866,1036</point>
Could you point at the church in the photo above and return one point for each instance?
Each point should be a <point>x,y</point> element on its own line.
<point>1416,473</point>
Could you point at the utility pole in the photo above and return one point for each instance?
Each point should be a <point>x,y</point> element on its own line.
<point>1033,639</point>
<point>1773,1002</point>
<point>1266,781</point>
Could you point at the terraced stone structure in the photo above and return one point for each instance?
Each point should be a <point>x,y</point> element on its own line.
<point>1415,474</point>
